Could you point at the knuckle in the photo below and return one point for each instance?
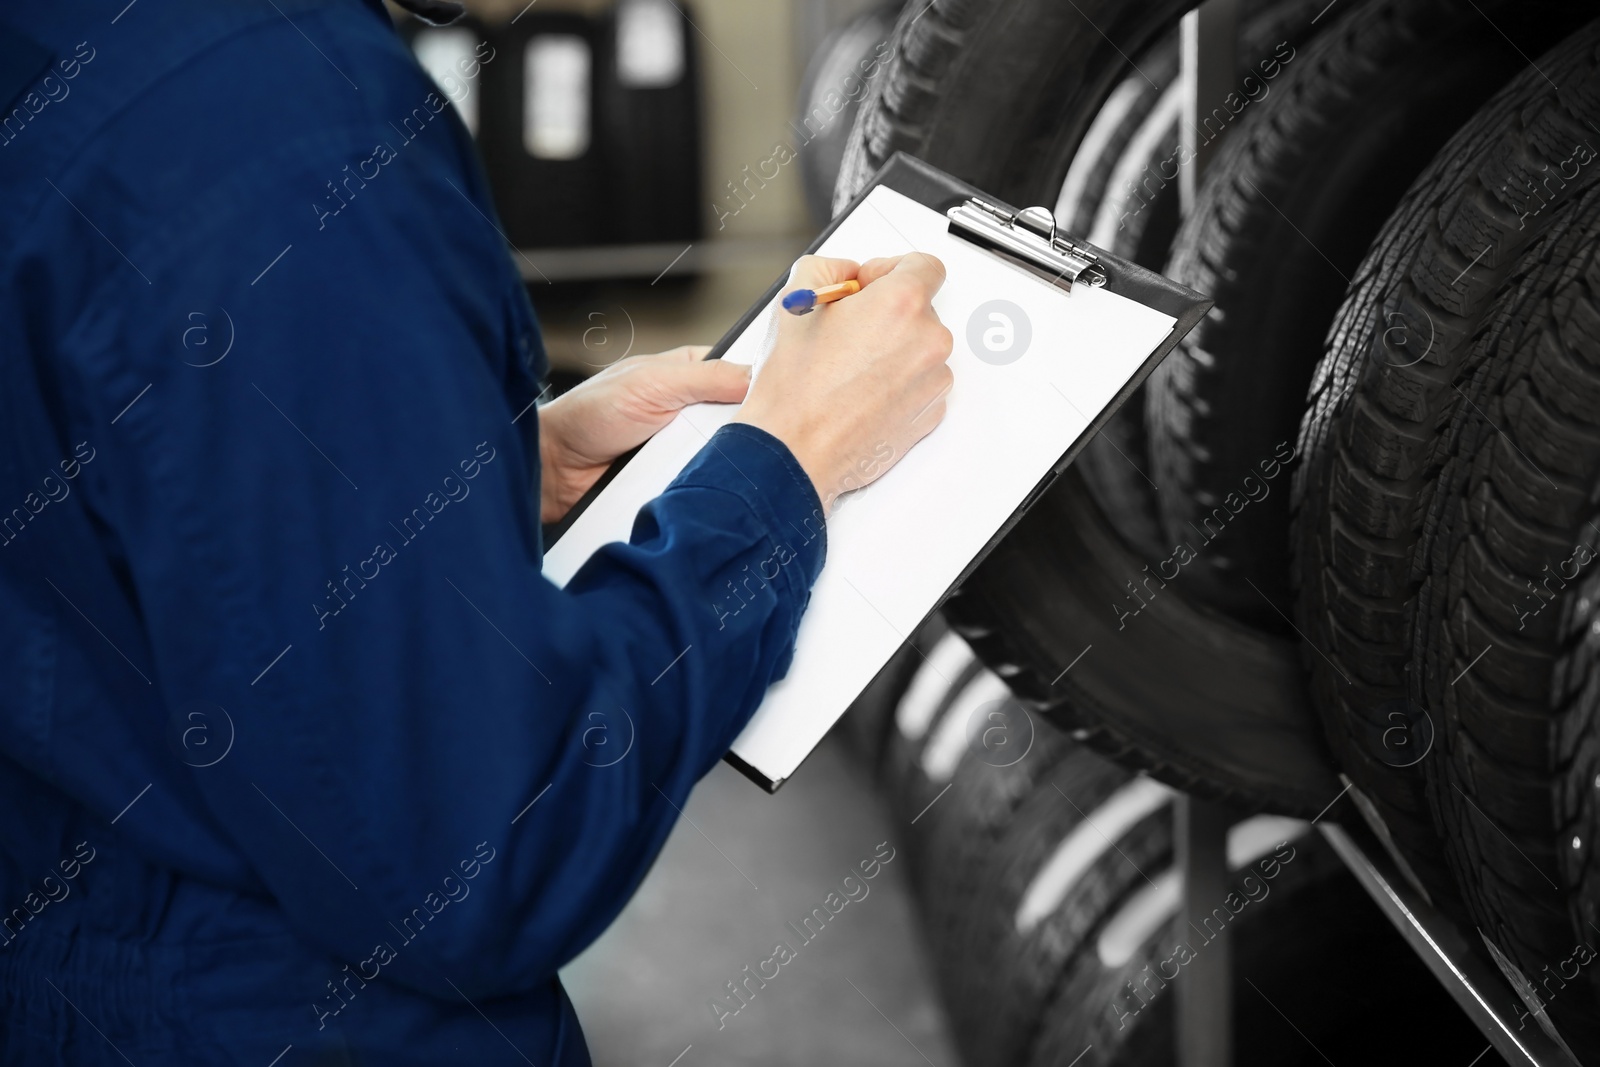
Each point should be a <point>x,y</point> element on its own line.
<point>930,262</point>
<point>805,268</point>
<point>812,267</point>
<point>936,346</point>
<point>902,301</point>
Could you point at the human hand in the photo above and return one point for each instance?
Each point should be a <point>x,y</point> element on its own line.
<point>850,387</point>
<point>584,430</point>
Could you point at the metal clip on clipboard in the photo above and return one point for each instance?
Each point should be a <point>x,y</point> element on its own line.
<point>1028,237</point>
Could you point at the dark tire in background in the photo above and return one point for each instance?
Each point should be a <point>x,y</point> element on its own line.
<point>1136,114</point>
<point>837,71</point>
<point>1319,975</point>
<point>1059,899</point>
<point>1087,636</point>
<point>1038,895</point>
<point>950,676</point>
<point>998,92</point>
<point>1387,386</point>
<point>1290,202</point>
<point>993,760</point>
<point>1508,628</point>
<point>866,724</point>
<point>1106,197</point>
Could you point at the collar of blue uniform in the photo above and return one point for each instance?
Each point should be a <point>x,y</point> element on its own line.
<point>434,12</point>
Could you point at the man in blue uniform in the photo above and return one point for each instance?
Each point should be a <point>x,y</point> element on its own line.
<point>298,750</point>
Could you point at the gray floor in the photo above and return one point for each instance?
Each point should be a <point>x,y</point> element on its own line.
<point>735,871</point>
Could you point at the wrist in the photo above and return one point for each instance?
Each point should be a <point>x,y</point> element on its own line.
<point>551,506</point>
<point>806,449</point>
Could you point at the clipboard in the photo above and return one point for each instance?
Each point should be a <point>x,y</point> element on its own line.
<point>1136,316</point>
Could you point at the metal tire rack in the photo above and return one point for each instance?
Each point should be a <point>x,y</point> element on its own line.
<point>1457,958</point>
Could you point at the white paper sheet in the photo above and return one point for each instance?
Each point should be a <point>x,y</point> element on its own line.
<point>896,546</point>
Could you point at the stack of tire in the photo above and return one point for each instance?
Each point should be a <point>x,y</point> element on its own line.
<point>1047,887</point>
<point>1343,545</point>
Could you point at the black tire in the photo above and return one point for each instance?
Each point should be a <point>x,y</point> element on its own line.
<point>1113,194</point>
<point>837,71</point>
<point>936,62</point>
<point>1507,636</point>
<point>1371,442</point>
<point>998,92</point>
<point>1115,463</point>
<point>1312,956</point>
<point>1197,700</point>
<point>1006,757</point>
<point>1122,118</point>
<point>1290,203</point>
<point>865,726</point>
<point>996,975</point>
<point>939,684</point>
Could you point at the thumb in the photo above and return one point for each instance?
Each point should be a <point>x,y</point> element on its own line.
<point>813,272</point>
<point>708,381</point>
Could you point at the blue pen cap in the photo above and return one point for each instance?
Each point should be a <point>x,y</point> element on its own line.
<point>800,301</point>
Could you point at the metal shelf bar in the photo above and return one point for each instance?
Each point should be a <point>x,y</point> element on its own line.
<point>1460,964</point>
<point>1205,999</point>
<point>1204,1028</point>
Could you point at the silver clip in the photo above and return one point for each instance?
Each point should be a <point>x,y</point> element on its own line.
<point>1029,236</point>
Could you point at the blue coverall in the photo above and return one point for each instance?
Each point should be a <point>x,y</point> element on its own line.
<point>297,747</point>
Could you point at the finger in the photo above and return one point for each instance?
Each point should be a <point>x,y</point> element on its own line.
<point>922,270</point>
<point>684,354</point>
<point>712,381</point>
<point>811,272</point>
<point>873,269</point>
<point>932,412</point>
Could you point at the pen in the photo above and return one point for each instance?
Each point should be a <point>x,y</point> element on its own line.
<point>803,300</point>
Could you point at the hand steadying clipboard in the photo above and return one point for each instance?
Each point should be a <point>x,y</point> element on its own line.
<point>1051,337</point>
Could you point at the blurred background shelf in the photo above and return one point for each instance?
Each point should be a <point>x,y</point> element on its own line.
<point>649,275</point>
<point>654,262</point>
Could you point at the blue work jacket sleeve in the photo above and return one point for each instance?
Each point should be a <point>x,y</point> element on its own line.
<point>311,401</point>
